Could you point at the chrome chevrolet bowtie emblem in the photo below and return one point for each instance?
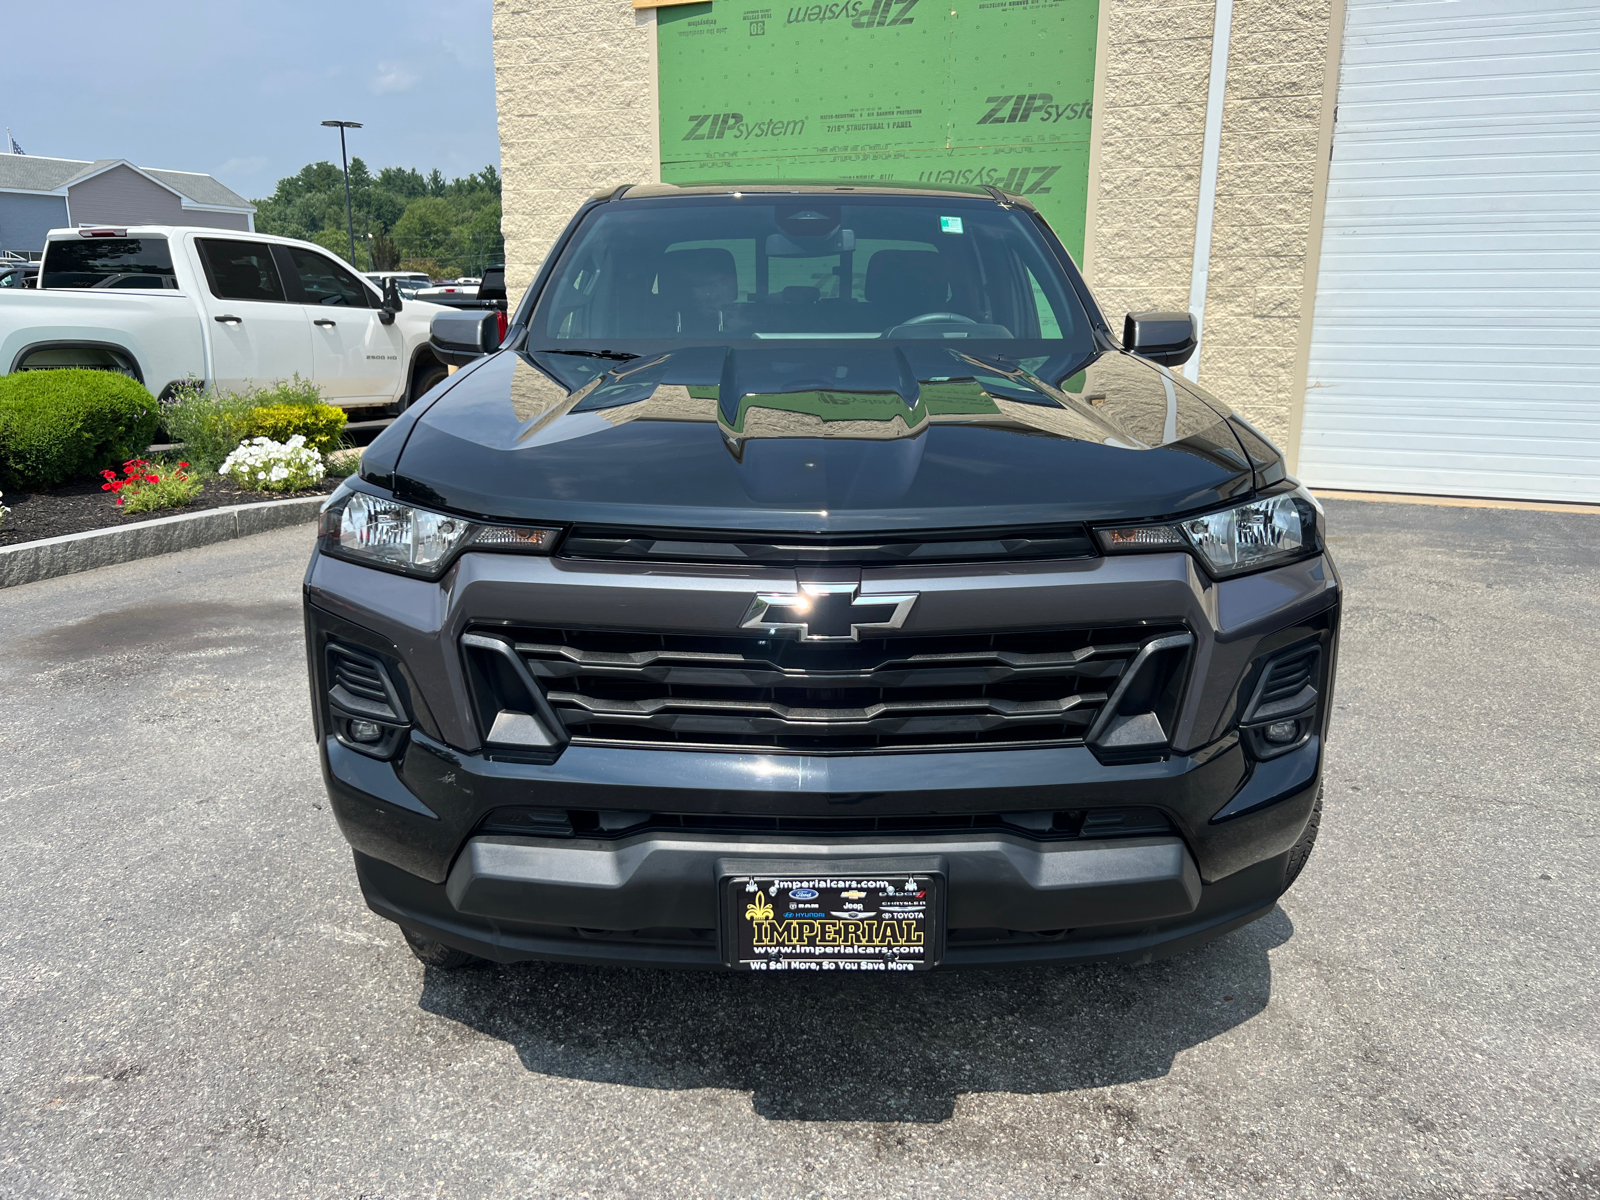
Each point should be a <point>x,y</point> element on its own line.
<point>827,612</point>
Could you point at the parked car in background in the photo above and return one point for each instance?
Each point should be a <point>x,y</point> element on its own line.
<point>489,295</point>
<point>167,305</point>
<point>19,274</point>
<point>449,293</point>
<point>409,282</point>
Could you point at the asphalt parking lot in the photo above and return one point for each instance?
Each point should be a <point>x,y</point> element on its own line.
<point>194,1000</point>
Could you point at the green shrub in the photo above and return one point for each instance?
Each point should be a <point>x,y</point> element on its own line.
<point>56,426</point>
<point>320,424</point>
<point>211,423</point>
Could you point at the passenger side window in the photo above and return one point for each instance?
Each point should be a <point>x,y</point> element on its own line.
<point>326,282</point>
<point>240,270</point>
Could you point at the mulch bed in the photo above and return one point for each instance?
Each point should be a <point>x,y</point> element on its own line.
<point>76,507</point>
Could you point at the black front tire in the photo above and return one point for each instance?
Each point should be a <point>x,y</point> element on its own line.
<point>1301,850</point>
<point>424,378</point>
<point>437,954</point>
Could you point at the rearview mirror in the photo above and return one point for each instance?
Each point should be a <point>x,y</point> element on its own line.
<point>459,337</point>
<point>1164,337</point>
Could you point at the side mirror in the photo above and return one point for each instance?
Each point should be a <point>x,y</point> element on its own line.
<point>1164,337</point>
<point>458,337</point>
<point>391,301</point>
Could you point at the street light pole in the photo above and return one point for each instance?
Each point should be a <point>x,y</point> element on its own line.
<point>349,221</point>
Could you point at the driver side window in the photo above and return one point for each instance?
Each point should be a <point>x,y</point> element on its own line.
<point>325,282</point>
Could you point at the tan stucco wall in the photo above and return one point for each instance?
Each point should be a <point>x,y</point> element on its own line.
<point>1266,183</point>
<point>575,89</point>
<point>575,82</point>
<point>1153,120</point>
<point>1158,59</point>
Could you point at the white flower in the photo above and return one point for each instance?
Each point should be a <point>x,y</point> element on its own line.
<point>261,462</point>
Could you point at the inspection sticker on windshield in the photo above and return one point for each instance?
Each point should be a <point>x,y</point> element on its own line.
<point>950,225</point>
<point>833,923</point>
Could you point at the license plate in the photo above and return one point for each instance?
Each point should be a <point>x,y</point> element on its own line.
<point>833,922</point>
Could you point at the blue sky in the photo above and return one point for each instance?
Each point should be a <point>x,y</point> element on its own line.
<point>238,90</point>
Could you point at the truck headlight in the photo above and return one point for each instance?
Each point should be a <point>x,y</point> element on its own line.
<point>379,532</point>
<point>1232,541</point>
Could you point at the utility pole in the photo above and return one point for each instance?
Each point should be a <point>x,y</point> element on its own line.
<point>349,221</point>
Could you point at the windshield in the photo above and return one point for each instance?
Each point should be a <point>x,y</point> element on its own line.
<point>108,263</point>
<point>772,269</point>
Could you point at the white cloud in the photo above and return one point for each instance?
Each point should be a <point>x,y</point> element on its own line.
<point>392,77</point>
<point>242,166</point>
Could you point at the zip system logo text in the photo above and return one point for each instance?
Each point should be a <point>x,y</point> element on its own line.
<point>1039,107</point>
<point>713,127</point>
<point>862,14</point>
<point>1019,181</point>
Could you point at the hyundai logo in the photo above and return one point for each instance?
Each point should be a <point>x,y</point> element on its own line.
<point>827,612</point>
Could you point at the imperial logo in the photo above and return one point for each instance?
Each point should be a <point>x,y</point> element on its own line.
<point>1038,107</point>
<point>713,127</point>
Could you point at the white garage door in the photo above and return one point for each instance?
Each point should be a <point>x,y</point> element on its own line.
<point>1457,334</point>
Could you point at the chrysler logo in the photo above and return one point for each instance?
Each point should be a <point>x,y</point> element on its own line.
<point>827,612</point>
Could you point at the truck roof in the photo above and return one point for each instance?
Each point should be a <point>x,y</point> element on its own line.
<point>644,191</point>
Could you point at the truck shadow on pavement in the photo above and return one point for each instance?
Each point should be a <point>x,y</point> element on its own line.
<point>824,1048</point>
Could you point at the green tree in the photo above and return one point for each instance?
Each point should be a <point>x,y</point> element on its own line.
<point>428,230</point>
<point>457,232</point>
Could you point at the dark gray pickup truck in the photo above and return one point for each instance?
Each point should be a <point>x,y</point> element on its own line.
<point>814,581</point>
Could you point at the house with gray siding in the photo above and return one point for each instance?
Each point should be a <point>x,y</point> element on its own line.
<point>40,194</point>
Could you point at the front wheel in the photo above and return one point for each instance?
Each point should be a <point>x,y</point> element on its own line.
<point>1301,850</point>
<point>437,954</point>
<point>424,377</point>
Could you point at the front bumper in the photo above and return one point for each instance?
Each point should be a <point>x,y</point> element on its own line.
<point>651,898</point>
<point>510,900</point>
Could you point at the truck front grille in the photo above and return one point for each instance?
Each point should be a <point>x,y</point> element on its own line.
<point>904,692</point>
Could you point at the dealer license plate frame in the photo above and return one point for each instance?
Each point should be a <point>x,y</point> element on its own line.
<point>791,941</point>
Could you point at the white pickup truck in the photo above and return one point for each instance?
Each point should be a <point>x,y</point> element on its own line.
<point>168,305</point>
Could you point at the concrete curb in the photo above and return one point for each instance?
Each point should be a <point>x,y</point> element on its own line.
<point>74,552</point>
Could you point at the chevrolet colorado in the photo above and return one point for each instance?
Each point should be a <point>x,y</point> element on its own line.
<point>814,581</point>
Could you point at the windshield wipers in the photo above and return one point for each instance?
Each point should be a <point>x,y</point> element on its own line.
<point>618,355</point>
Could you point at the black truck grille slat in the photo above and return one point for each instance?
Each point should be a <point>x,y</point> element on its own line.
<point>1069,823</point>
<point>902,692</point>
<point>794,549</point>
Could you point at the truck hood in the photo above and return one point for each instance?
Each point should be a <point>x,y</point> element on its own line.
<point>810,439</point>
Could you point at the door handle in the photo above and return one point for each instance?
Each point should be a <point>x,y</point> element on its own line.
<point>227,319</point>
<point>325,321</point>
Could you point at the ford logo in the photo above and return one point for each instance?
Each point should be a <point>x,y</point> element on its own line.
<point>802,893</point>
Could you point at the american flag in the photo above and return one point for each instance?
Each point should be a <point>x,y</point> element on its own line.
<point>15,149</point>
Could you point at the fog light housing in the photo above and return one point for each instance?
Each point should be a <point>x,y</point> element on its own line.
<point>365,731</point>
<point>1281,733</point>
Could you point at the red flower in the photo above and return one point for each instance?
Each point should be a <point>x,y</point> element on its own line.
<point>183,466</point>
